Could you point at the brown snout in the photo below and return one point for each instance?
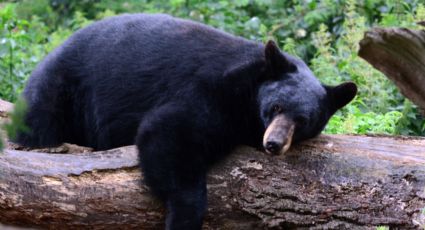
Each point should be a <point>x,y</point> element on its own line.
<point>278,136</point>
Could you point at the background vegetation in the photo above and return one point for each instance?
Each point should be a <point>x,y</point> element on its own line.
<point>325,33</point>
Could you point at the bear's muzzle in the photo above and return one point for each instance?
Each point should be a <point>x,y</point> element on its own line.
<point>278,135</point>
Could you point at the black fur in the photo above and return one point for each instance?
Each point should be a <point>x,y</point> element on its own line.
<point>185,93</point>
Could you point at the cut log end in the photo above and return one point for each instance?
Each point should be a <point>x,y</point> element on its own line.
<point>400,54</point>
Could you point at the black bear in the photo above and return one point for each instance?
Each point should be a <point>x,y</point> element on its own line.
<point>185,93</point>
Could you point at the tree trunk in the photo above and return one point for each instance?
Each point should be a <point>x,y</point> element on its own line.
<point>331,182</point>
<point>400,55</point>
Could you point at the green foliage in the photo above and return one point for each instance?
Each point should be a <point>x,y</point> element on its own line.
<point>379,107</point>
<point>324,33</point>
<point>23,43</point>
<point>12,41</point>
<point>359,122</point>
<point>22,47</point>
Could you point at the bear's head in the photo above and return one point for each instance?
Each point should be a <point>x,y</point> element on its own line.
<point>293,104</point>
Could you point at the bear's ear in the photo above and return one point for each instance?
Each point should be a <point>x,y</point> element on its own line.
<point>341,95</point>
<point>276,62</point>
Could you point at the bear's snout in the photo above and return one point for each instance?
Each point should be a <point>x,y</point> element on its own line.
<point>273,147</point>
<point>278,135</point>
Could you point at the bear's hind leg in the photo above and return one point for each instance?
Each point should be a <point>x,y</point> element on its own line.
<point>45,128</point>
<point>47,112</point>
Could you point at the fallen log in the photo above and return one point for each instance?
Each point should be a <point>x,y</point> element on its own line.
<point>400,54</point>
<point>331,182</point>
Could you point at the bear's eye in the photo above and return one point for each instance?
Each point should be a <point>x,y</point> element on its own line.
<point>277,109</point>
<point>300,121</point>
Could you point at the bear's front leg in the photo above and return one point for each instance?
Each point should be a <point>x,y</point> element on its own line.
<point>173,159</point>
<point>186,205</point>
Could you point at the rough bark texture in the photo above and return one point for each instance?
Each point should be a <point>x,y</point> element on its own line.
<point>400,55</point>
<point>331,182</point>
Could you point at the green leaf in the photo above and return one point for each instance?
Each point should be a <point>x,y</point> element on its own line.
<point>241,3</point>
<point>177,3</point>
<point>390,20</point>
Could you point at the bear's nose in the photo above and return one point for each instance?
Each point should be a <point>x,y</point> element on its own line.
<point>273,147</point>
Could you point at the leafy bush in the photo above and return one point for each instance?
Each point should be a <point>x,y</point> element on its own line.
<point>324,33</point>
<point>379,107</point>
<point>14,42</point>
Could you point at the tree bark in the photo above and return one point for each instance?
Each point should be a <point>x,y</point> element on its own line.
<point>330,182</point>
<point>400,54</point>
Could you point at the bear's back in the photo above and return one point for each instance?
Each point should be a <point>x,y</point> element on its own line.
<point>152,51</point>
<point>145,42</point>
